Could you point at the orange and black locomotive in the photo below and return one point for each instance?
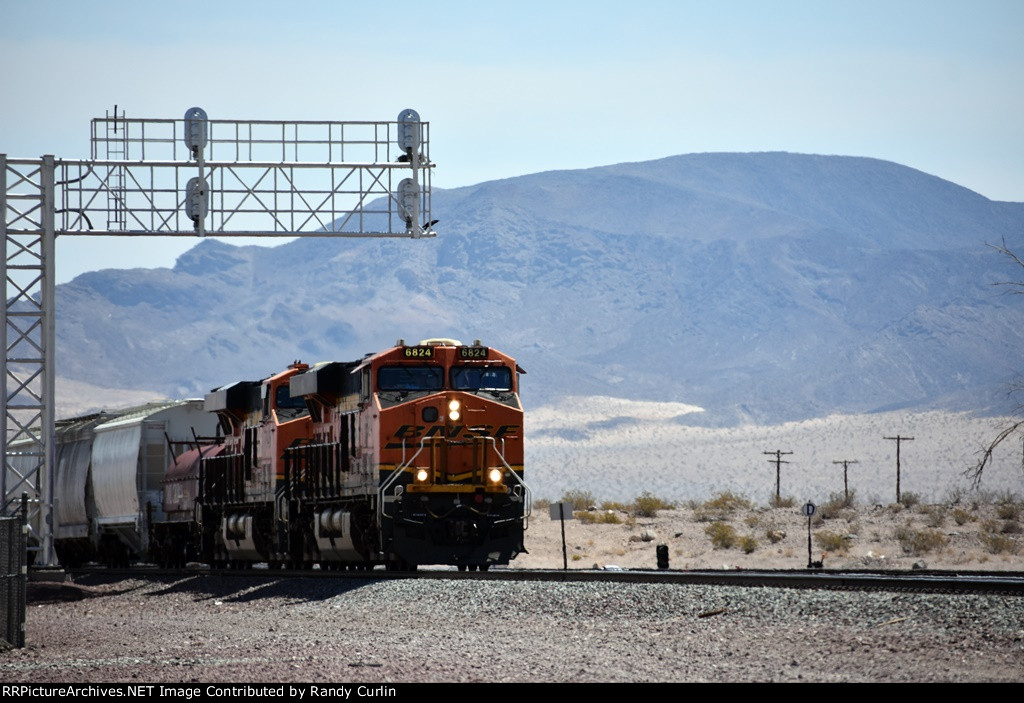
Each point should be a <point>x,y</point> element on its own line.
<point>410,456</point>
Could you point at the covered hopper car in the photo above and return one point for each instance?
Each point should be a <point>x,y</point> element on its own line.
<point>110,468</point>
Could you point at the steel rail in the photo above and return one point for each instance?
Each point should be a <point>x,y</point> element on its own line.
<point>1003,583</point>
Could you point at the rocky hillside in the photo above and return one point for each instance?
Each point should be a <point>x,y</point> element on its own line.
<point>761,287</point>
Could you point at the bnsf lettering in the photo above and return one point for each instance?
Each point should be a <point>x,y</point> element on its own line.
<point>409,431</point>
<point>452,433</point>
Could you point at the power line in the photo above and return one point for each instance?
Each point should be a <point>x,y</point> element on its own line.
<point>778,461</point>
<point>846,484</point>
<point>898,439</point>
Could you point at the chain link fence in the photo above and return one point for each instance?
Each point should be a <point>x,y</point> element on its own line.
<point>13,576</point>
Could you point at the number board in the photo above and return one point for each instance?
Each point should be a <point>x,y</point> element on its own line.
<point>473,352</point>
<point>418,352</point>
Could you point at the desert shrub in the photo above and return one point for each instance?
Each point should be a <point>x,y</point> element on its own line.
<point>721,507</point>
<point>909,499</point>
<point>1004,496</point>
<point>936,515</point>
<point>581,500</point>
<point>722,535</point>
<point>955,495</point>
<point>648,505</point>
<point>614,505</point>
<point>1010,527</point>
<point>775,535</point>
<point>999,544</point>
<point>831,541</point>
<point>752,520</point>
<point>748,544</point>
<point>541,504</point>
<point>1008,511</point>
<point>599,517</point>
<point>729,501</point>
<point>834,505</point>
<point>961,516</point>
<point>920,541</point>
<point>844,499</point>
<point>782,502</point>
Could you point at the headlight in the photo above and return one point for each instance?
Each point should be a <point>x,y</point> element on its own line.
<point>494,475</point>
<point>422,475</point>
<point>453,410</point>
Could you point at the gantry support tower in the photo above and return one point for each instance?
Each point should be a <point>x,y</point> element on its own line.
<point>192,177</point>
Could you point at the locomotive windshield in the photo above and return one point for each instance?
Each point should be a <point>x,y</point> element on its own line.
<point>285,401</point>
<point>410,378</point>
<point>287,407</point>
<point>481,378</point>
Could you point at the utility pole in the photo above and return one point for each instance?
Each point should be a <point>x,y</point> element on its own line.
<point>846,484</point>
<point>898,439</point>
<point>778,461</point>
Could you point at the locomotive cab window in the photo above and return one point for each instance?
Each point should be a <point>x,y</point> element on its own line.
<point>410,378</point>
<point>481,378</point>
<point>287,406</point>
<point>286,401</point>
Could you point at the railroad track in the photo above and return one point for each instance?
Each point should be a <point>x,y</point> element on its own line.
<point>1004,583</point>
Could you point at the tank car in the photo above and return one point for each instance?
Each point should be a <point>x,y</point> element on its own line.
<point>174,541</point>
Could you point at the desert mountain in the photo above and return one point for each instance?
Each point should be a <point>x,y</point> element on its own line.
<point>764,287</point>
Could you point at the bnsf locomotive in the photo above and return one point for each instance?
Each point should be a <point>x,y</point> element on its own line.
<point>410,456</point>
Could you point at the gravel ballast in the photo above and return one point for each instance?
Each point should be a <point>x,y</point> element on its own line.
<point>215,629</point>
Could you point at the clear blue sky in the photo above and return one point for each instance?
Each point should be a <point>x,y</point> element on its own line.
<point>516,88</point>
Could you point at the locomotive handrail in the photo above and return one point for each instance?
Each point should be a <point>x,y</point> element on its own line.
<point>528,493</point>
<point>399,470</point>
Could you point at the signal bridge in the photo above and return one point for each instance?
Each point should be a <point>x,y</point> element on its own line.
<point>190,177</point>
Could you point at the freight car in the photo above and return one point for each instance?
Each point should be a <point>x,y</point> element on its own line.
<point>410,456</point>
<point>110,468</point>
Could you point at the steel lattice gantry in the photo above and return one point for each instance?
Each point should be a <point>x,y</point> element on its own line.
<point>189,177</point>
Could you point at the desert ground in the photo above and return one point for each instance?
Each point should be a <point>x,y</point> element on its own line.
<point>968,537</point>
